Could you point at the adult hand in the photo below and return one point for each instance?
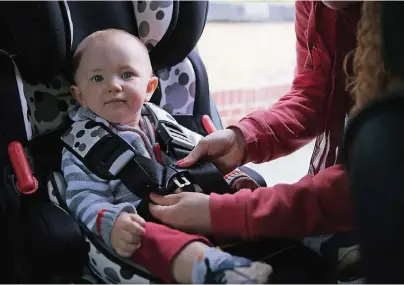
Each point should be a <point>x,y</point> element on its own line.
<point>127,233</point>
<point>187,211</point>
<point>225,148</point>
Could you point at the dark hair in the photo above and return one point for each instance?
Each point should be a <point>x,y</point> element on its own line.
<point>370,78</point>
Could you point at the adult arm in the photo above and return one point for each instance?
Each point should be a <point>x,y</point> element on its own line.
<point>299,115</point>
<point>319,204</point>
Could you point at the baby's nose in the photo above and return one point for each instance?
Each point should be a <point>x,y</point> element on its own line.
<point>114,87</point>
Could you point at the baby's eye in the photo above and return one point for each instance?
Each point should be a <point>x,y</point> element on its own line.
<point>127,75</point>
<point>97,78</point>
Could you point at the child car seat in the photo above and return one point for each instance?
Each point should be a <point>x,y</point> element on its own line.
<point>38,97</point>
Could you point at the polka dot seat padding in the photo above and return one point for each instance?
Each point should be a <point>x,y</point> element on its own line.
<point>178,88</point>
<point>147,13</point>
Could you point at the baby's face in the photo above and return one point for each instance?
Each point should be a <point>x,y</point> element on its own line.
<point>114,78</point>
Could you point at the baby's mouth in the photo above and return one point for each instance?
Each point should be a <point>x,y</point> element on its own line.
<point>115,101</point>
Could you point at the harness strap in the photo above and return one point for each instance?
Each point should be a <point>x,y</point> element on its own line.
<point>235,175</point>
<point>203,174</point>
<point>110,157</point>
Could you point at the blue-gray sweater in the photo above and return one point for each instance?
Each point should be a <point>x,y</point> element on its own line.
<point>87,195</point>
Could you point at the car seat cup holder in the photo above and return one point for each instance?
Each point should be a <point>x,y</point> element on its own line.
<point>26,183</point>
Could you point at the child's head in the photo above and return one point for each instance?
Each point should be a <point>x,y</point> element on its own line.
<point>113,76</point>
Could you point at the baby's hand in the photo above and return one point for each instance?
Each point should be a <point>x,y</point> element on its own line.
<point>127,233</point>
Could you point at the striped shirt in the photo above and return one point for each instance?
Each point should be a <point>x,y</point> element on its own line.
<point>92,200</point>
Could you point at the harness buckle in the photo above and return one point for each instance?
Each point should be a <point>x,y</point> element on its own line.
<point>184,180</point>
<point>173,136</point>
<point>26,183</point>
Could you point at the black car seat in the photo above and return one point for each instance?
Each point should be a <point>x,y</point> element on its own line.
<point>34,69</point>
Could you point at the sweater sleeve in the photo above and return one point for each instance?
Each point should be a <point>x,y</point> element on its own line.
<point>319,204</point>
<point>90,199</point>
<point>299,115</point>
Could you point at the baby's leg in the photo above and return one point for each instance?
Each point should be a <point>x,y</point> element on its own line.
<point>172,255</point>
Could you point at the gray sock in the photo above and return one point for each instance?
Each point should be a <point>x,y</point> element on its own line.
<point>215,260</point>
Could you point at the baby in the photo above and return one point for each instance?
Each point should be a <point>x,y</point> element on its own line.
<point>113,78</point>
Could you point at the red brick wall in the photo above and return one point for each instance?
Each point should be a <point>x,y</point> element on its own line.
<point>234,104</point>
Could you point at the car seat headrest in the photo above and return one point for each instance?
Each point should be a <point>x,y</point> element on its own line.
<point>392,37</point>
<point>40,41</point>
<point>46,33</point>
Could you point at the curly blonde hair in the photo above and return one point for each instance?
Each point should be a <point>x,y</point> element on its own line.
<point>370,78</point>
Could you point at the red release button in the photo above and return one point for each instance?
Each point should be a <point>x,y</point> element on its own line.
<point>25,181</point>
<point>208,124</point>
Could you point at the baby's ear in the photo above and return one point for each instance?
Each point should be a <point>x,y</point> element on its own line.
<point>151,87</point>
<point>77,94</point>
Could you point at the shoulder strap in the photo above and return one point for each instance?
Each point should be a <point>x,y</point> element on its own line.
<point>174,139</point>
<point>161,115</point>
<point>110,157</point>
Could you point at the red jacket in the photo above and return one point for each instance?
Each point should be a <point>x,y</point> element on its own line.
<point>316,106</point>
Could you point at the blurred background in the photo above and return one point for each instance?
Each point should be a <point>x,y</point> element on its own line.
<point>249,52</point>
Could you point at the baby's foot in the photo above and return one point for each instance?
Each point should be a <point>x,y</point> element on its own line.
<point>218,267</point>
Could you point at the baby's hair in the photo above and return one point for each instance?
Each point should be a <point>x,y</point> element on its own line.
<point>98,34</point>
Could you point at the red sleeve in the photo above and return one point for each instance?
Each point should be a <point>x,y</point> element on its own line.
<point>298,116</point>
<point>319,204</point>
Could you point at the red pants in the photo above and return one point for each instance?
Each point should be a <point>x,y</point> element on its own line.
<point>160,245</point>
